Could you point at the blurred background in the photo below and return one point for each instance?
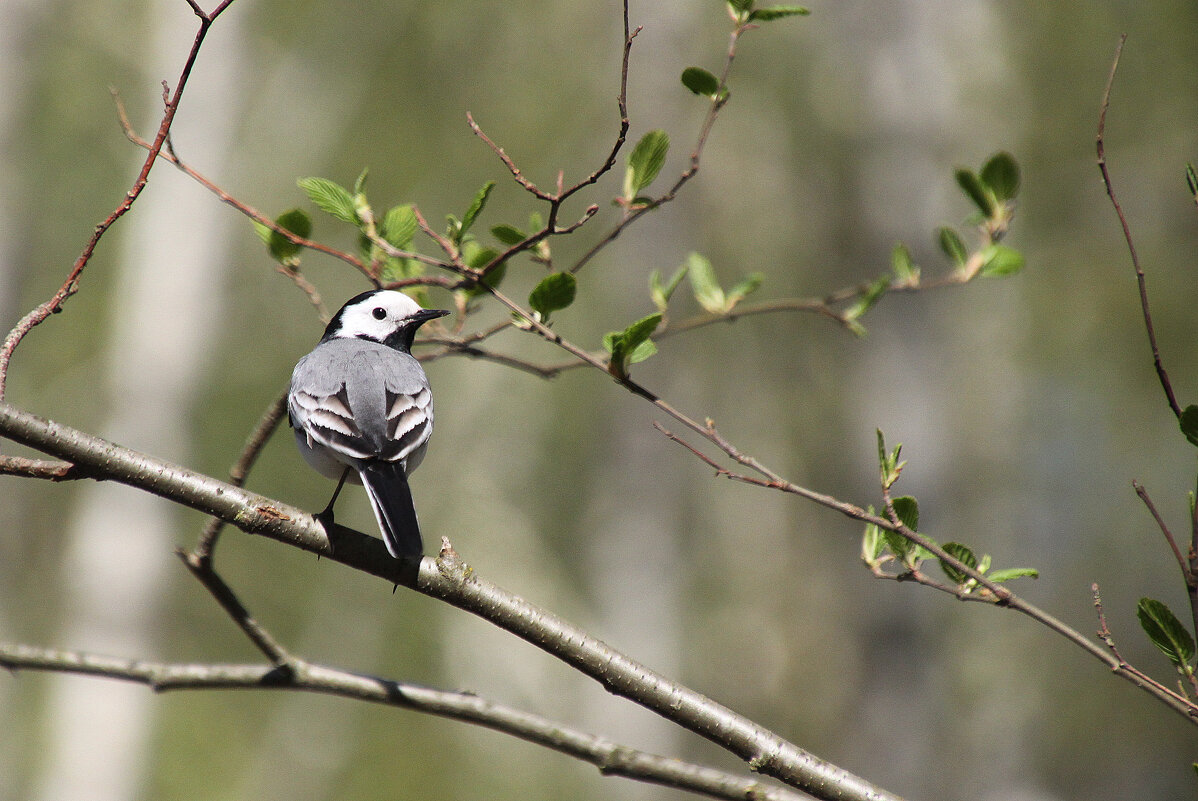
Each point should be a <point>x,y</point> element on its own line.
<point>1026,405</point>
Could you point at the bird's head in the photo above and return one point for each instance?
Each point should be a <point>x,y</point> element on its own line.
<point>381,315</point>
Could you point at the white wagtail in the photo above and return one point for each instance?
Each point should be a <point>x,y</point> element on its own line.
<point>362,409</point>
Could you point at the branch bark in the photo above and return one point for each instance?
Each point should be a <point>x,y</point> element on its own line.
<point>448,578</point>
<point>610,758</point>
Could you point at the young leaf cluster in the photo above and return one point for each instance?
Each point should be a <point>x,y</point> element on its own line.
<point>631,345</point>
<point>881,545</point>
<point>744,12</point>
<point>993,191</point>
<point>706,287</point>
<point>397,227</point>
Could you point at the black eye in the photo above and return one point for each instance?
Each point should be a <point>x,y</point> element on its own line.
<point>379,313</point>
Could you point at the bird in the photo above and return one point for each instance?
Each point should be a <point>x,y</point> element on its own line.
<point>362,409</point>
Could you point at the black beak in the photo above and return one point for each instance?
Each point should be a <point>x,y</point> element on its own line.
<point>424,315</point>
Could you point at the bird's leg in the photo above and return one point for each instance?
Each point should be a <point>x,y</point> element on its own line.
<point>326,516</point>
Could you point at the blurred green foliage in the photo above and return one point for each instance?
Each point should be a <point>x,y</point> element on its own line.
<point>1026,405</point>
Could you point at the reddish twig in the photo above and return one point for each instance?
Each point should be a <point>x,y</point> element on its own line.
<point>718,101</point>
<point>1135,259</point>
<point>40,468</point>
<point>71,285</point>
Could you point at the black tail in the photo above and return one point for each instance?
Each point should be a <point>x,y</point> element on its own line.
<point>387,485</point>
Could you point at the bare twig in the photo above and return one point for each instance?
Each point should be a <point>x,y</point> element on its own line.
<point>1122,666</point>
<point>39,468</point>
<point>1181,560</point>
<point>307,287</point>
<point>71,285</point>
<point>224,595</point>
<point>1131,248</point>
<point>718,101</point>
<point>254,443</point>
<point>612,759</point>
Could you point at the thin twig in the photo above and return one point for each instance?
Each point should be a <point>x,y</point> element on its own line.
<point>261,638</point>
<point>307,287</point>
<point>1181,561</point>
<point>1123,667</point>
<point>254,443</point>
<point>1131,247</point>
<point>718,101</point>
<point>1002,596</point>
<point>71,285</point>
<point>40,468</point>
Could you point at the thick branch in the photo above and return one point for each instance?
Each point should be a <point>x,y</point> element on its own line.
<point>449,579</point>
<point>611,758</point>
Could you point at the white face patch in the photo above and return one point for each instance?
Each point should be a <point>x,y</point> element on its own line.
<point>377,316</point>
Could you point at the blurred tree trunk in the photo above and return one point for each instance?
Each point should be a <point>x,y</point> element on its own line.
<point>173,262</point>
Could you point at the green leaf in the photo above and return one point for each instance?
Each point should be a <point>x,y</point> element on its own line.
<point>1001,174</point>
<point>645,162</point>
<point>508,234</point>
<point>476,207</point>
<point>331,198</point>
<point>889,462</point>
<point>554,292</point>
<point>950,242</point>
<point>904,270</point>
<point>964,554</point>
<point>999,260</point>
<point>639,353</point>
<point>399,226</point>
<point>872,542</point>
<point>700,81</point>
<point>899,545</point>
<point>1192,180</point>
<point>1189,423</point>
<point>706,288</point>
<point>977,191</point>
<point>631,345</point>
<point>777,12</point>
<point>477,256</point>
<point>659,292</point>
<point>282,249</point>
<point>743,288</point>
<point>907,509</point>
<point>1008,573</point>
<point>740,5</point>
<point>1166,632</point>
<point>864,302</point>
<point>397,269</point>
<point>641,330</point>
<point>883,457</point>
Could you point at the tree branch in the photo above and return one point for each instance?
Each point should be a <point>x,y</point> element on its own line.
<point>449,578</point>
<point>611,758</point>
<point>71,285</point>
<point>1001,595</point>
<point>1141,281</point>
